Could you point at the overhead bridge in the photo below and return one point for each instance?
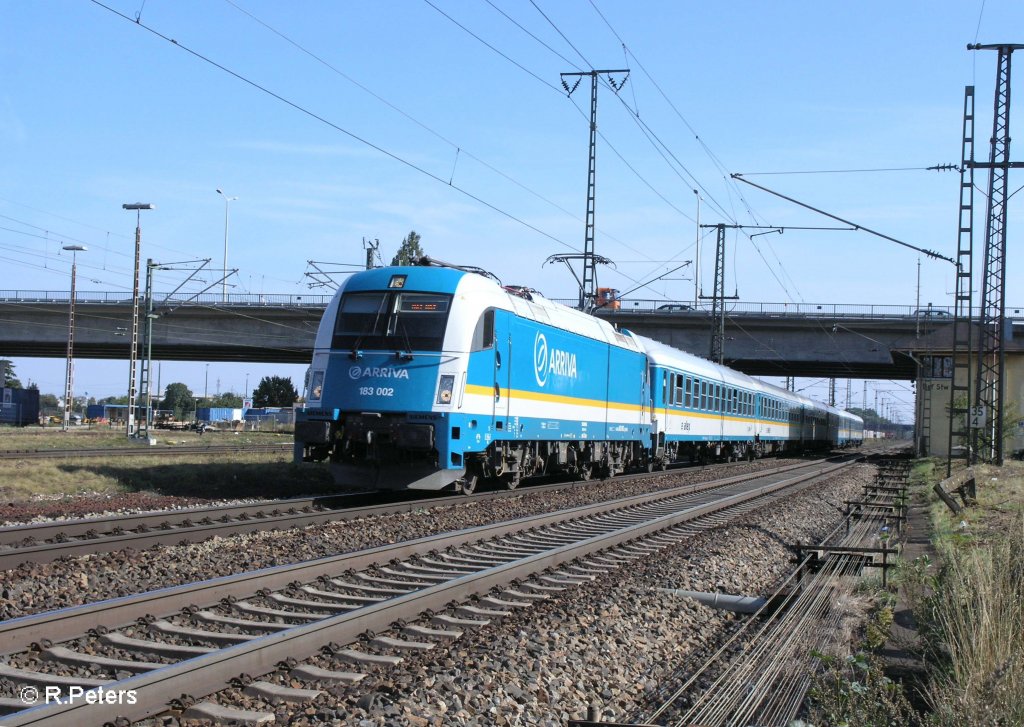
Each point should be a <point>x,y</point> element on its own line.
<point>760,338</point>
<point>256,328</point>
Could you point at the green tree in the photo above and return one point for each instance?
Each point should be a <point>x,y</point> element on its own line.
<point>227,400</point>
<point>113,400</point>
<point>49,404</point>
<point>179,399</point>
<point>10,380</point>
<point>275,391</point>
<point>872,420</point>
<point>409,251</point>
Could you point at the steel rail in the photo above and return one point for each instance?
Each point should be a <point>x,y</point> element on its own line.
<point>12,535</point>
<point>208,673</point>
<point>766,682</point>
<point>76,621</point>
<point>144,530</point>
<point>141,451</point>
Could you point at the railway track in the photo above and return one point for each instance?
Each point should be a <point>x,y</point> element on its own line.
<point>169,649</point>
<point>761,674</point>
<point>48,541</point>
<point>142,451</point>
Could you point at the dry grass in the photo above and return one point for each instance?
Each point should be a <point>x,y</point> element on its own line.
<point>207,476</point>
<point>973,622</point>
<point>102,436</point>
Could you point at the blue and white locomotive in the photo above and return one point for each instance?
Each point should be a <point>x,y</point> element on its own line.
<point>425,377</point>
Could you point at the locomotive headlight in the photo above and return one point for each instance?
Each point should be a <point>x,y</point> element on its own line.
<point>316,386</point>
<point>444,389</point>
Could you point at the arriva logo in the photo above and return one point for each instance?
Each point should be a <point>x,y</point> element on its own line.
<point>551,361</point>
<point>376,372</point>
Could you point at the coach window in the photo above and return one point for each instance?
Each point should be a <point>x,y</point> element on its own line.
<point>718,397</point>
<point>679,389</point>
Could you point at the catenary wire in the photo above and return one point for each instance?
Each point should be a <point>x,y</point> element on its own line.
<point>313,115</point>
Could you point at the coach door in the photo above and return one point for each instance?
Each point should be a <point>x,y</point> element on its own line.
<point>722,405</point>
<point>502,374</point>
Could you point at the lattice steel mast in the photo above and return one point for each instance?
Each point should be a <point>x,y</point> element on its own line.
<point>719,297</point>
<point>991,359</point>
<point>960,380</point>
<point>589,280</point>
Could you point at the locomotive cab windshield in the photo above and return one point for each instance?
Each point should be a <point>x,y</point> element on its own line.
<point>391,320</point>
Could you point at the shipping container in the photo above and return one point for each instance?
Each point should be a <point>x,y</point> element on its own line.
<point>19,407</point>
<point>218,414</point>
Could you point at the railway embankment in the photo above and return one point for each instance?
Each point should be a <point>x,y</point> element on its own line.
<point>616,644</point>
<point>36,587</point>
<point>954,652</point>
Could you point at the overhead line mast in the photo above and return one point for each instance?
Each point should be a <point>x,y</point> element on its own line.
<point>992,350</point>
<point>589,280</point>
<point>960,377</point>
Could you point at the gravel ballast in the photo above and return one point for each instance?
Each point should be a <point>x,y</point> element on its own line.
<point>618,642</point>
<point>33,588</point>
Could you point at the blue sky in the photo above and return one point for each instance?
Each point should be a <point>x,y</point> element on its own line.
<point>477,147</point>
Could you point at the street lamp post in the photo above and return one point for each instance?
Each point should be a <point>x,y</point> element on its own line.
<point>133,351</point>
<point>206,386</point>
<point>696,267</point>
<point>224,282</point>
<point>69,374</point>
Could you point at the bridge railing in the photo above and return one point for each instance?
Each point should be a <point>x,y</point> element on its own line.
<point>626,305</point>
<point>816,310</point>
<point>206,299</point>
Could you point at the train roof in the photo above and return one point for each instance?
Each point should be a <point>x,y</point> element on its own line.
<point>530,304</point>
<point>664,355</point>
<point>484,292</point>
